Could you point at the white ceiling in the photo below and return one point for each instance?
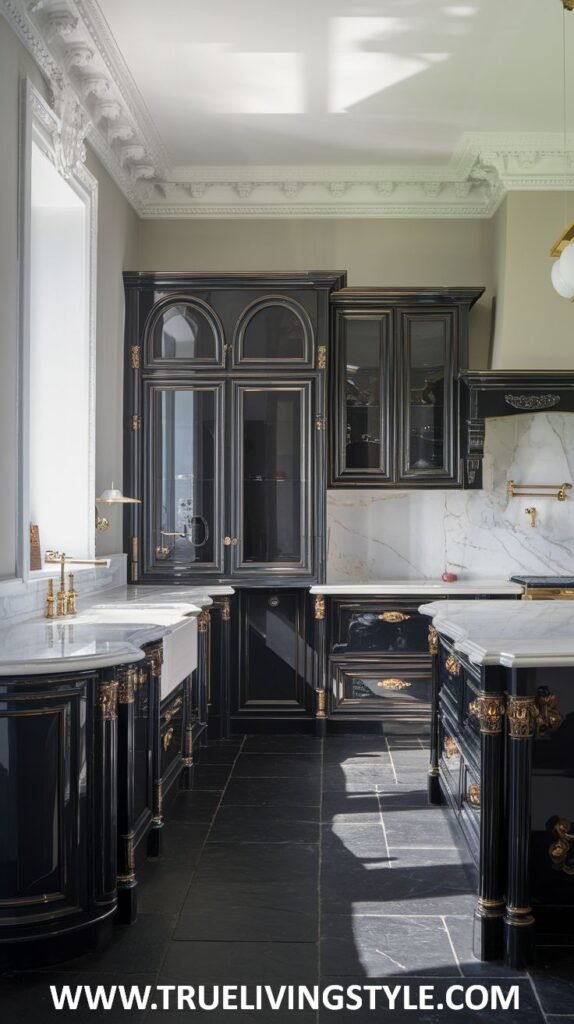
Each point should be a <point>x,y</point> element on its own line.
<point>315,108</point>
<point>299,82</point>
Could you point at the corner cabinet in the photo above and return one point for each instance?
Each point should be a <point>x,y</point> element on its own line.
<point>394,387</point>
<point>225,426</point>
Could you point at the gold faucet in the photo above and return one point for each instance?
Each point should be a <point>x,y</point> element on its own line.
<point>533,513</point>
<point>65,601</point>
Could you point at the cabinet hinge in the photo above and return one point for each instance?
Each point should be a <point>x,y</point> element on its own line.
<point>135,356</point>
<point>135,548</point>
<point>320,423</point>
<point>136,422</point>
<point>322,357</point>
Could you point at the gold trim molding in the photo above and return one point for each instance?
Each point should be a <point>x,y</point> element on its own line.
<point>433,641</point>
<point>393,684</point>
<point>560,850</point>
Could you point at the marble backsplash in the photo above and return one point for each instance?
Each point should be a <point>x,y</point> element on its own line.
<point>378,534</point>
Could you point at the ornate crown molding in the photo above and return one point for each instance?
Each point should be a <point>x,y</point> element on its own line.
<point>93,90</point>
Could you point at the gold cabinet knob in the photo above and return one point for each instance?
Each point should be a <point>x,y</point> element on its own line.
<point>230,540</point>
<point>393,684</point>
<point>394,616</point>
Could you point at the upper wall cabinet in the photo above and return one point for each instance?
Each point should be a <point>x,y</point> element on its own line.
<point>225,410</point>
<point>188,324</point>
<point>395,406</point>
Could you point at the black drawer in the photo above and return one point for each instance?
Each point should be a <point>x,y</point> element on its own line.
<point>394,627</point>
<point>396,693</point>
<point>171,732</point>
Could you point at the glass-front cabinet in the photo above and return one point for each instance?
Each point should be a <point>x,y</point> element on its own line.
<point>394,386</point>
<point>225,411</point>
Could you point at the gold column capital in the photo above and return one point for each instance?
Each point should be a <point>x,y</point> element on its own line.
<point>489,711</point>
<point>433,641</point>
<point>225,610</point>
<point>107,700</point>
<point>522,714</point>
<point>203,620</point>
<point>127,685</point>
<point>319,606</point>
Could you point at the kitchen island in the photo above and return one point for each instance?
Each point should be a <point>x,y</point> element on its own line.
<point>502,758</point>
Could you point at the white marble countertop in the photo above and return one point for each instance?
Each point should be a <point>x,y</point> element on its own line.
<point>516,634</point>
<point>399,587</point>
<point>109,629</point>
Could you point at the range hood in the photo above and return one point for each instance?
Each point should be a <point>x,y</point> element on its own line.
<point>487,393</point>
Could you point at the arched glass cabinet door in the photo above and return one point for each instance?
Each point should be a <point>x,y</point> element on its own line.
<point>274,330</point>
<point>184,332</point>
<point>183,479</point>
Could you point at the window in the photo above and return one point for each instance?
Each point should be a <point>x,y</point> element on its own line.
<point>57,342</point>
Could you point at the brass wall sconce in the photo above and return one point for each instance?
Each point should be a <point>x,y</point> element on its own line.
<point>112,496</point>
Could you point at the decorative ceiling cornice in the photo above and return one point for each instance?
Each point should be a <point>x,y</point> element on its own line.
<point>74,48</point>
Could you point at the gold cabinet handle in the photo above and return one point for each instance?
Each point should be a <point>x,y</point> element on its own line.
<point>393,684</point>
<point>169,714</point>
<point>394,616</point>
<point>473,795</point>
<point>452,665</point>
<point>167,738</point>
<point>450,747</point>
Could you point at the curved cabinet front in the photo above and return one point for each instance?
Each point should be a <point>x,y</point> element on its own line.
<point>58,860</point>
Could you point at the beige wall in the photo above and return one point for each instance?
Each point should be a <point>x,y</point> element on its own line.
<point>534,326</point>
<point>117,240</point>
<point>117,225</point>
<point>375,252</point>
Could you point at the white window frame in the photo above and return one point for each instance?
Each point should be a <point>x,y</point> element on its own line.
<point>39,124</point>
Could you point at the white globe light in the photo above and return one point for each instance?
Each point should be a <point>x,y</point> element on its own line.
<point>559,283</point>
<point>566,264</point>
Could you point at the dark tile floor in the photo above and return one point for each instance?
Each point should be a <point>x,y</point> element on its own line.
<point>299,861</point>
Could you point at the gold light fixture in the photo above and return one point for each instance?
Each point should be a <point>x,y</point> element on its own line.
<point>562,251</point>
<point>111,496</point>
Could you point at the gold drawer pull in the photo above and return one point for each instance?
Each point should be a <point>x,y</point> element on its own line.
<point>172,711</point>
<point>450,747</point>
<point>393,684</point>
<point>473,795</point>
<point>394,616</point>
<point>167,738</point>
<point>452,665</point>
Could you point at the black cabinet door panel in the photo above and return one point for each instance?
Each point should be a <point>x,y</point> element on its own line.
<point>275,666</point>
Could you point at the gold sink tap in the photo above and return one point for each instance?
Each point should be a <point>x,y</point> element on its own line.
<point>65,600</point>
<point>532,511</point>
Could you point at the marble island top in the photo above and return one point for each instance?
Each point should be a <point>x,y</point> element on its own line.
<point>516,634</point>
<point>109,629</point>
<point>471,585</point>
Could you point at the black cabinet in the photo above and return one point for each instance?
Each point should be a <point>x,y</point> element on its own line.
<point>225,406</point>
<point>394,387</point>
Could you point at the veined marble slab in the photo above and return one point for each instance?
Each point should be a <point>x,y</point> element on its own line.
<point>381,535</point>
<point>38,648</point>
<point>406,587</point>
<point>516,634</point>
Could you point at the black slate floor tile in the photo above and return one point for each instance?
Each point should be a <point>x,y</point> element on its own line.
<point>181,842</point>
<point>218,755</point>
<point>430,826</point>
<point>241,863</point>
<point>382,947</point>
<point>248,913</point>
<point>266,824</point>
<point>360,778</point>
<point>361,842</point>
<point>283,744</point>
<point>198,808</point>
<point>461,933</point>
<point>163,887</point>
<point>134,948</point>
<point>243,963</point>
<point>359,808</point>
<point>553,978</point>
<point>211,777</point>
<point>294,792</point>
<point>278,766</point>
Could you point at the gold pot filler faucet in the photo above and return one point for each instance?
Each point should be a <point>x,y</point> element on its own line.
<point>66,599</point>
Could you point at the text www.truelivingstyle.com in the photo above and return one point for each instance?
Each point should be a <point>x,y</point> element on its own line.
<point>188,998</point>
